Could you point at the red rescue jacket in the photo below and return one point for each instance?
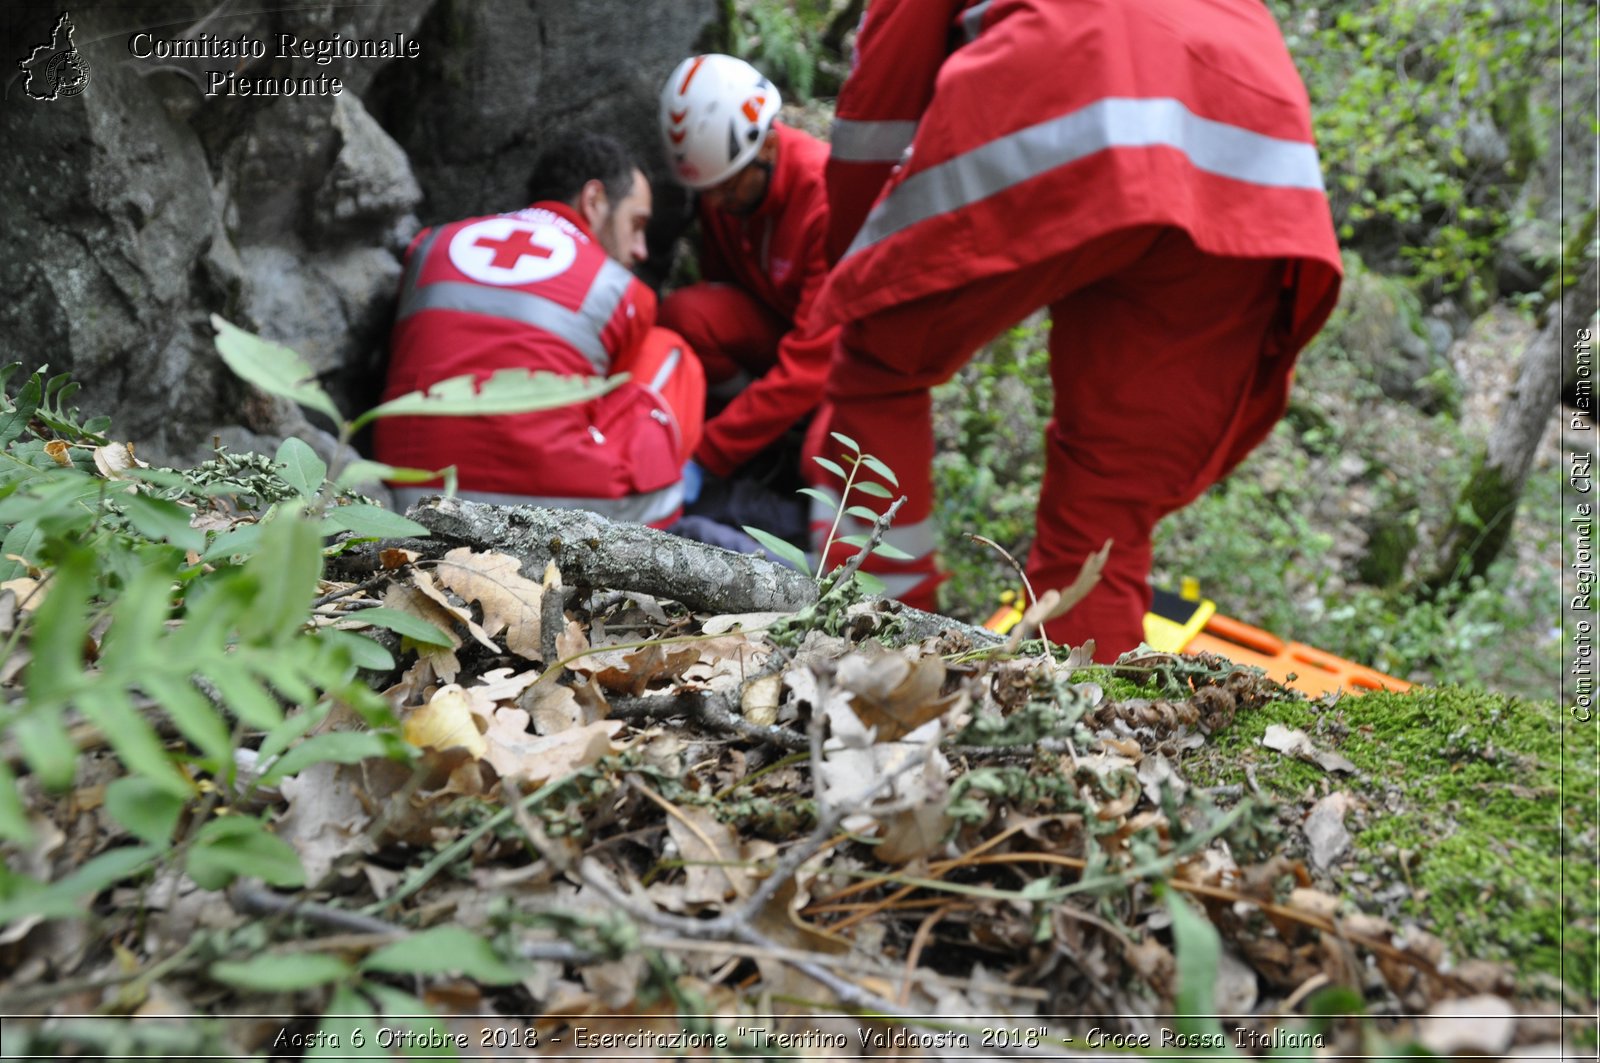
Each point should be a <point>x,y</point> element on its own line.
<point>1059,121</point>
<point>779,255</point>
<point>534,290</point>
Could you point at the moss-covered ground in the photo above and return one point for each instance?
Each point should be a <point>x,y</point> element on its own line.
<point>1474,818</point>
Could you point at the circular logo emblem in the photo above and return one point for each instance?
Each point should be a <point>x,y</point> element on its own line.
<point>67,74</point>
<point>507,251</point>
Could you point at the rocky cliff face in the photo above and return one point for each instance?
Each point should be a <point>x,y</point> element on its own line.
<point>152,198</point>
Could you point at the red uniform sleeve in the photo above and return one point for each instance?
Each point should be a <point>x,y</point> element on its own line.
<point>789,390</point>
<point>899,49</point>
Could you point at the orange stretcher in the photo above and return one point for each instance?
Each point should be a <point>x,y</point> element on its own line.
<point>1187,623</point>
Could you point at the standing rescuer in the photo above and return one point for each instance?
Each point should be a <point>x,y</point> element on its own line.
<point>1144,169</point>
<point>549,288</point>
<point>764,224</point>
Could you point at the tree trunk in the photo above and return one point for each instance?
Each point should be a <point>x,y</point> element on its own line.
<point>1487,504</point>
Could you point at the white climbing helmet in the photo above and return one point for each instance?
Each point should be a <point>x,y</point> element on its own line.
<point>715,112</point>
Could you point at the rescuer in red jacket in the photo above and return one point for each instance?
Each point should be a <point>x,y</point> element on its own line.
<point>1143,169</point>
<point>549,288</point>
<point>763,224</point>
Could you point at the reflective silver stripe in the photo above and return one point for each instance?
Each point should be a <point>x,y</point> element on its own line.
<point>871,141</point>
<point>663,374</point>
<point>536,310</point>
<point>604,296</point>
<point>641,509</point>
<point>1214,147</point>
<point>919,539</point>
<point>972,20</point>
<point>408,282</point>
<point>581,328</point>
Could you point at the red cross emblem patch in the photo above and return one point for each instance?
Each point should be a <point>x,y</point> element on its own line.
<point>509,251</point>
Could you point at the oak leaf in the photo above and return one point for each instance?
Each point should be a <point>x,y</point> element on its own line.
<point>510,601</point>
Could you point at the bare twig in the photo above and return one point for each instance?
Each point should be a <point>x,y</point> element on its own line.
<point>456,849</point>
<point>255,900</point>
<point>1016,566</point>
<point>356,588</point>
<point>22,999</point>
<point>880,527</point>
<point>711,711</point>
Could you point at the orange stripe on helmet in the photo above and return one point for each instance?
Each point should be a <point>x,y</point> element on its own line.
<point>689,75</point>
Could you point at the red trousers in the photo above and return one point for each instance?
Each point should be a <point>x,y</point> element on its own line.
<point>731,330</point>
<point>1168,365</point>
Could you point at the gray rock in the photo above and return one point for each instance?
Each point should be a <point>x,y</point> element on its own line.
<point>370,181</point>
<point>1440,334</point>
<point>1380,327</point>
<point>1527,256</point>
<point>497,79</point>
<point>138,208</point>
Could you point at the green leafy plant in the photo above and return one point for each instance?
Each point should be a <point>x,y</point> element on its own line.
<point>794,43</point>
<point>1424,124</point>
<point>140,625</point>
<point>850,475</point>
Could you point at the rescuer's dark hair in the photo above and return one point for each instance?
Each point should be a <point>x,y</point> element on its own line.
<point>572,160</point>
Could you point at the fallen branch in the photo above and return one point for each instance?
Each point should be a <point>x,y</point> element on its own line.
<point>593,551</point>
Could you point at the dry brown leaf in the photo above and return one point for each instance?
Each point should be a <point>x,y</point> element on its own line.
<point>1297,744</point>
<point>553,708</point>
<point>894,694</point>
<point>780,922</point>
<point>1053,603</point>
<point>425,583</point>
<point>854,765</point>
<point>36,860</point>
<point>409,688</point>
<point>393,557</point>
<point>535,759</point>
<point>114,459</point>
<point>502,685</point>
<point>447,721</point>
<point>760,699</point>
<point>906,836</point>
<point>29,592</point>
<point>709,849</point>
<point>510,601</point>
<point>632,671</point>
<point>441,660</point>
<point>58,452</point>
<point>1314,901</point>
<point>572,641</point>
<point>744,622</point>
<point>326,822</point>
<point>726,662</point>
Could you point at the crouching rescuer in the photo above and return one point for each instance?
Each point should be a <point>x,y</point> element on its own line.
<point>763,212</point>
<point>549,287</point>
<point>1145,171</point>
